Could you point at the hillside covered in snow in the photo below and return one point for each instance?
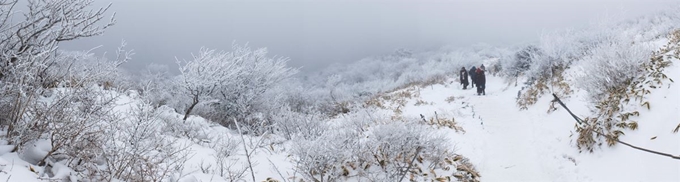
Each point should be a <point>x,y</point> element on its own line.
<point>243,115</point>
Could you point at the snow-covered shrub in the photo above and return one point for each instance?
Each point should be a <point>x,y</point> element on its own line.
<point>372,147</point>
<point>157,86</point>
<point>320,159</point>
<point>614,110</point>
<point>29,48</point>
<point>294,94</point>
<point>608,50</point>
<point>391,148</point>
<point>611,65</point>
<point>195,129</point>
<point>71,121</point>
<point>226,168</point>
<point>292,124</point>
<point>70,115</point>
<point>137,149</point>
<point>521,61</point>
<point>60,98</point>
<point>555,53</point>
<point>71,67</point>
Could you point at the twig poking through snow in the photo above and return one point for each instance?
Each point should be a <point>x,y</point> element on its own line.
<point>277,170</point>
<point>410,164</point>
<point>250,165</point>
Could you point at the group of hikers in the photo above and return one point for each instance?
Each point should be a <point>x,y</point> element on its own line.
<point>477,76</point>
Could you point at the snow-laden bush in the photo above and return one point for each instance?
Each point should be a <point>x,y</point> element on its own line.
<point>555,50</point>
<point>70,114</point>
<point>195,129</point>
<point>610,65</point>
<point>372,147</point>
<point>71,121</point>
<point>393,147</point>
<point>225,167</point>
<point>521,61</point>
<point>70,68</point>
<point>293,93</point>
<point>320,159</point>
<point>160,88</point>
<point>292,124</point>
<point>608,54</point>
<point>138,150</point>
<point>618,103</point>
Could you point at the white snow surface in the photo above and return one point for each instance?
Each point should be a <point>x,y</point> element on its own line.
<point>507,144</point>
<point>504,143</point>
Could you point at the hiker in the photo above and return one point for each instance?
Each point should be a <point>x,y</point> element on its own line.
<point>482,67</point>
<point>481,81</point>
<point>464,78</point>
<point>472,76</point>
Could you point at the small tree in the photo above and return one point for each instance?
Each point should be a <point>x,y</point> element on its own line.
<point>203,76</point>
<point>234,80</point>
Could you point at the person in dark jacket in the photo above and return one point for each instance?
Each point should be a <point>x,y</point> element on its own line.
<point>481,81</point>
<point>472,76</point>
<point>464,78</point>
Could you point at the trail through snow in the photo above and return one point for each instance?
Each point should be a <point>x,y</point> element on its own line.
<point>511,140</point>
<point>504,143</point>
<point>507,144</point>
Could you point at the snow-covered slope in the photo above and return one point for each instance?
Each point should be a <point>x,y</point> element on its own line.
<point>507,144</point>
<point>503,142</point>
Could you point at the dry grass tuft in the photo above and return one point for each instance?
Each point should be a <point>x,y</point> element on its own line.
<point>556,84</point>
<point>450,99</point>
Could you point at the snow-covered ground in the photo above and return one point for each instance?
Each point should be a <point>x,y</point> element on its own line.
<point>507,144</point>
<point>504,143</point>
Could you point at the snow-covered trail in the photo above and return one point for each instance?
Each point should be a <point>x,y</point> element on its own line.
<point>507,142</point>
<point>504,143</point>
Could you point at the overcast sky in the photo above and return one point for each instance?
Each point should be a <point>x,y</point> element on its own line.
<point>315,34</point>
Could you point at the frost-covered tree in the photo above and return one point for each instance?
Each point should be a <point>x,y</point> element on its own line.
<point>29,39</point>
<point>232,81</point>
<point>206,73</point>
<point>521,61</point>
